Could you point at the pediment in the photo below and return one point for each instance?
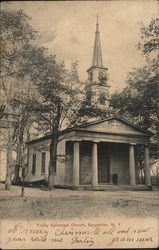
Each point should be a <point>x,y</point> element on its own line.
<point>114,125</point>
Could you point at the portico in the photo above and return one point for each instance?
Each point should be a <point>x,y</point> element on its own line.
<point>99,151</point>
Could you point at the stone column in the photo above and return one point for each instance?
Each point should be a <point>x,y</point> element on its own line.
<point>147,167</point>
<point>76,163</point>
<point>94,164</point>
<point>132,165</point>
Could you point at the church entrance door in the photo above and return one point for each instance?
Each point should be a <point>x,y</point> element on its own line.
<point>103,163</point>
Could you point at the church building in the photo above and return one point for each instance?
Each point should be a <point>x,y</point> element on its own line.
<point>97,155</point>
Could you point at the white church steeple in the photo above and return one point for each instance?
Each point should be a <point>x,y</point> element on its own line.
<point>97,52</point>
<point>97,74</point>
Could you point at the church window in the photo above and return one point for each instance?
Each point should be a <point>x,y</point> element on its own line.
<point>88,96</point>
<point>102,99</point>
<point>102,78</point>
<point>43,159</point>
<point>34,164</point>
<point>90,76</point>
<point>69,148</point>
<point>100,75</point>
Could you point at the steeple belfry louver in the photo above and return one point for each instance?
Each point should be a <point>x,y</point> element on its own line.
<point>97,53</point>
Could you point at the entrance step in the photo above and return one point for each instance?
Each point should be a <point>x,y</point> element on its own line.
<point>110,187</point>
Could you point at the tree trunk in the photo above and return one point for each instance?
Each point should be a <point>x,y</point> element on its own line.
<point>8,181</point>
<point>53,160</point>
<point>53,147</point>
<point>18,160</point>
<point>16,174</point>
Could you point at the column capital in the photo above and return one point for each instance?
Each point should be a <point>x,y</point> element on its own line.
<point>75,140</point>
<point>132,144</point>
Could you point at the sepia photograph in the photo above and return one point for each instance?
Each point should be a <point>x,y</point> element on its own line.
<point>79,124</point>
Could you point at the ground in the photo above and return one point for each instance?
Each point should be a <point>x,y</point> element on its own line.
<point>69,204</point>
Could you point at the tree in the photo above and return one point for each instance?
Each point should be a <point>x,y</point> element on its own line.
<point>16,33</point>
<point>139,100</point>
<point>21,127</point>
<point>61,104</point>
<point>21,102</point>
<point>149,37</point>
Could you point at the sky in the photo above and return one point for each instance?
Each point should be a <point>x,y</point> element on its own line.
<point>67,29</point>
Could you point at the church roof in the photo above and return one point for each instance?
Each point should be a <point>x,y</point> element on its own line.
<point>87,126</point>
<point>116,118</point>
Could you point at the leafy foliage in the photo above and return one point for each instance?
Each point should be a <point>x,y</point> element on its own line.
<point>139,100</point>
<point>149,36</point>
<point>15,32</point>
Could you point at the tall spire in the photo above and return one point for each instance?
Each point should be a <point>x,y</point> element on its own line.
<point>97,53</point>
